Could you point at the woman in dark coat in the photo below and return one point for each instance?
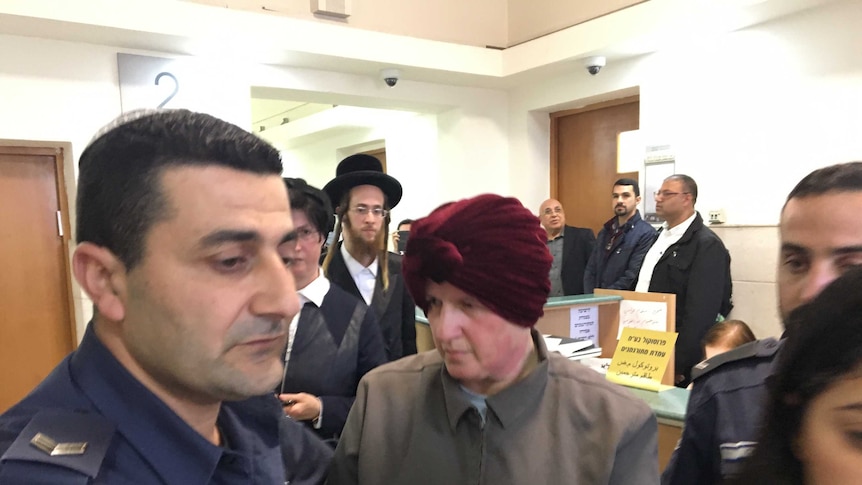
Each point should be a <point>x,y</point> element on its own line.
<point>335,339</point>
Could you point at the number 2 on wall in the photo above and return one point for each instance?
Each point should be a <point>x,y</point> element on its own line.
<point>159,76</point>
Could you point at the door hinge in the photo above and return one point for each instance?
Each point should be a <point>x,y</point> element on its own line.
<point>60,223</point>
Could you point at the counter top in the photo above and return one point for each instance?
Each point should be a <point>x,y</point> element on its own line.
<point>670,404</point>
<point>590,299</point>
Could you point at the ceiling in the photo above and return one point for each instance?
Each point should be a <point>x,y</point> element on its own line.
<point>182,28</point>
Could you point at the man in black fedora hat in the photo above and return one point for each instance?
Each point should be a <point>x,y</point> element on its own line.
<point>361,264</point>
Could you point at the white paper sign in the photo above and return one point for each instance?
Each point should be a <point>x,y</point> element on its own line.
<point>584,323</point>
<point>649,315</point>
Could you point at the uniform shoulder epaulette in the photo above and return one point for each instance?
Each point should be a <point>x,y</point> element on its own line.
<point>759,348</point>
<point>70,443</point>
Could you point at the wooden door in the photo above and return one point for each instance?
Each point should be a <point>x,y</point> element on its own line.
<point>584,158</point>
<point>380,154</point>
<point>36,325</point>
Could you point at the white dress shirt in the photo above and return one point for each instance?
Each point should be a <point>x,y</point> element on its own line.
<point>364,277</point>
<point>666,238</point>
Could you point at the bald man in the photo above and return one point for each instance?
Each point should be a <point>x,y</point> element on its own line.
<point>570,246</point>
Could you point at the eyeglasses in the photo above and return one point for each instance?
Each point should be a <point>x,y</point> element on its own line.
<point>363,211</point>
<point>666,194</point>
<point>307,234</point>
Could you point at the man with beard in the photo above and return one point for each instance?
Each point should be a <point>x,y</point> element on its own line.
<point>690,261</point>
<point>183,225</point>
<point>821,239</point>
<point>361,263</point>
<point>622,243</point>
<point>570,247</point>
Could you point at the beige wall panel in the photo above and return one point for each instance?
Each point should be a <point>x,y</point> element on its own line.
<point>476,22</point>
<point>757,305</point>
<point>529,19</point>
<point>754,259</point>
<point>753,250</point>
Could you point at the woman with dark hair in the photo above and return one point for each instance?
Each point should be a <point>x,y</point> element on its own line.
<point>335,339</point>
<point>813,430</point>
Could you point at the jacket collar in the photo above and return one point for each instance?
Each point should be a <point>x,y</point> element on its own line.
<point>144,419</point>
<point>695,226</point>
<point>611,223</point>
<point>510,405</point>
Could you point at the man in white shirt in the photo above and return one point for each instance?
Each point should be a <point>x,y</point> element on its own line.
<point>361,264</point>
<point>690,261</point>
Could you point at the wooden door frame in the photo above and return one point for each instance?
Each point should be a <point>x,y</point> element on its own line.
<point>555,117</point>
<point>58,150</point>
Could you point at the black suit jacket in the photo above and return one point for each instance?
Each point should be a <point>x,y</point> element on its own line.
<point>578,245</point>
<point>697,270</point>
<point>335,345</point>
<point>395,310</point>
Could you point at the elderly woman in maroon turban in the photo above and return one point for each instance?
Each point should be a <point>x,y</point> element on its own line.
<point>490,404</point>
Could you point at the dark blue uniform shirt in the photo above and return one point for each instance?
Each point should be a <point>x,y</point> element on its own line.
<point>133,437</point>
<point>724,414</point>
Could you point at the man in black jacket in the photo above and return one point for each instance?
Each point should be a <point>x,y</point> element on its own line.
<point>623,242</point>
<point>361,265</point>
<point>690,261</point>
<point>570,246</point>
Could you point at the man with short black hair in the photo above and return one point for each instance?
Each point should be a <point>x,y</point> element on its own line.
<point>821,239</point>
<point>622,243</point>
<point>690,261</point>
<point>182,224</point>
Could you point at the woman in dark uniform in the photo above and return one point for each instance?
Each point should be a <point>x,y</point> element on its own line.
<point>335,339</point>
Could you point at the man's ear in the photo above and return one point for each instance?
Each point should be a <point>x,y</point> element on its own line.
<point>103,277</point>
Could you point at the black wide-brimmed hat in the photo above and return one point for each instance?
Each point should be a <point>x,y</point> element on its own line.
<point>362,169</point>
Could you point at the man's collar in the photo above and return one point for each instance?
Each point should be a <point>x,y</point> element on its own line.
<point>553,238</point>
<point>509,404</point>
<point>679,229</point>
<point>354,266</point>
<point>316,290</point>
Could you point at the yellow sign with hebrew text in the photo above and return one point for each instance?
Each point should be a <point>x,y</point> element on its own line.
<point>641,358</point>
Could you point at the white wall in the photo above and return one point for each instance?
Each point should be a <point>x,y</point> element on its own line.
<point>410,140</point>
<point>316,162</point>
<point>457,146</point>
<point>748,114</point>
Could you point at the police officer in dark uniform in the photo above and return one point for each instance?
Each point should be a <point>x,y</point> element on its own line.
<point>182,221</point>
<point>821,237</point>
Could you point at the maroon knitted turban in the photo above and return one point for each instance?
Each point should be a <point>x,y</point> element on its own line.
<point>489,246</point>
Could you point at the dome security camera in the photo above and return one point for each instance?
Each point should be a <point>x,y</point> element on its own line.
<point>390,76</point>
<point>595,64</point>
